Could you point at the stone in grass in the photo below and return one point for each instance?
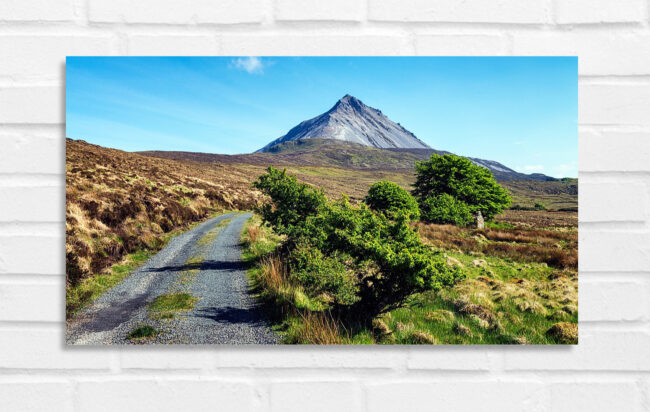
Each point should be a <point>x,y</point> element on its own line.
<point>454,262</point>
<point>564,332</point>
<point>479,263</point>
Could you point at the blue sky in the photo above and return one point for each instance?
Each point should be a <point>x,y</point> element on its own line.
<point>520,111</point>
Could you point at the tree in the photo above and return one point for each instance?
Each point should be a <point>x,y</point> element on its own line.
<point>445,209</point>
<point>292,202</point>
<point>391,199</point>
<point>463,180</point>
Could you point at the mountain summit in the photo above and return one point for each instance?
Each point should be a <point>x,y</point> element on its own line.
<point>352,121</point>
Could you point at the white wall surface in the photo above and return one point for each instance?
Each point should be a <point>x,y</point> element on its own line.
<point>608,371</point>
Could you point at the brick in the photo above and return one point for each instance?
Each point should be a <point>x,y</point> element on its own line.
<point>599,11</point>
<point>45,105</point>
<point>156,358</point>
<point>607,151</point>
<point>36,396</point>
<point>311,357</point>
<point>611,300</point>
<point>22,348</point>
<point>460,45</point>
<point>599,53</point>
<point>43,57</point>
<point>42,255</point>
<point>598,350</point>
<point>307,44</point>
<point>17,302</point>
<point>31,153</point>
<point>25,204</point>
<point>320,396</point>
<point>449,358</point>
<point>595,396</point>
<point>454,395</point>
<point>614,104</point>
<point>173,12</point>
<point>172,45</point>
<point>339,10</point>
<point>165,395</point>
<point>613,251</point>
<point>618,201</point>
<point>471,11</point>
<point>36,10</point>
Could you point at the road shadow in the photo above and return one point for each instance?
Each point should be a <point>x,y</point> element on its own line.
<point>232,315</point>
<point>205,265</point>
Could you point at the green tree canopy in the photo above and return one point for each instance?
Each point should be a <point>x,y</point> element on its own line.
<point>460,178</point>
<point>391,199</point>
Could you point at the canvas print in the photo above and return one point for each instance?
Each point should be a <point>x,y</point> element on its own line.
<point>321,200</point>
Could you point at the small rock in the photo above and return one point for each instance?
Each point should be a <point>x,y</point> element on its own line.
<point>479,263</point>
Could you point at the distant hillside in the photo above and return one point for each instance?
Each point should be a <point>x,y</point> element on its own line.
<point>333,153</point>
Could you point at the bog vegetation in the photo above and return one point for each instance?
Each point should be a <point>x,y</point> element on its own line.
<point>340,271</point>
<point>333,272</point>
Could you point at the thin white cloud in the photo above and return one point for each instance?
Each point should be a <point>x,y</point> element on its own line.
<point>252,65</point>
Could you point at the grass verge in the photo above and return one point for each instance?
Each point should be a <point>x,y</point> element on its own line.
<point>92,287</point>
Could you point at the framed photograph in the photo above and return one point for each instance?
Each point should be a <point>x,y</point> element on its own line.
<point>321,200</point>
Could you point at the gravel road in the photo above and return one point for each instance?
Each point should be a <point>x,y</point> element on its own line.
<point>204,262</point>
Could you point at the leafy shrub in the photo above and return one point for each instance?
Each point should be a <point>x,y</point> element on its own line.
<point>323,274</point>
<point>367,261</point>
<point>292,202</point>
<point>445,209</point>
<point>391,199</point>
<point>459,177</point>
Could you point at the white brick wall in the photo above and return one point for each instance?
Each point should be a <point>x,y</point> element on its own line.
<point>610,368</point>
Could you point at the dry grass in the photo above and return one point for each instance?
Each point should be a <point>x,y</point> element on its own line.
<point>555,248</point>
<point>118,203</point>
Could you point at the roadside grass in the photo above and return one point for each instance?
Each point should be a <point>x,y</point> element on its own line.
<point>90,288</point>
<point>142,333</point>
<point>294,316</point>
<point>167,306</point>
<point>505,299</point>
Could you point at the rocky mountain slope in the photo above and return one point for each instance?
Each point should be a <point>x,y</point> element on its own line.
<point>352,121</point>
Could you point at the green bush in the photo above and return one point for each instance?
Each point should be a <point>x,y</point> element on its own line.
<point>320,274</point>
<point>444,209</point>
<point>366,261</point>
<point>292,202</point>
<point>389,198</point>
<point>460,178</point>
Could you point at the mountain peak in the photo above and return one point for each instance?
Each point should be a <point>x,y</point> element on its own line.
<point>350,120</point>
